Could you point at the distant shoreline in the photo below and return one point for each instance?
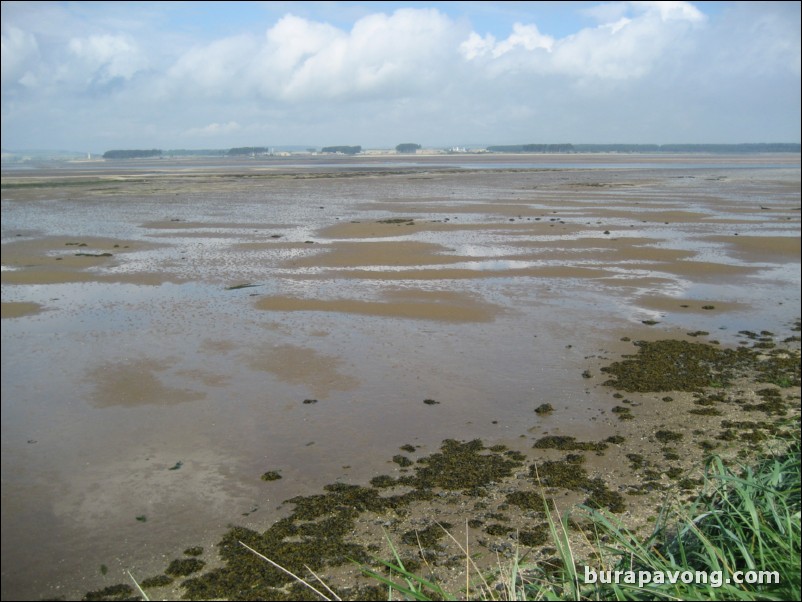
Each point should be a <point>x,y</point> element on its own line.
<point>27,155</point>
<point>17,172</point>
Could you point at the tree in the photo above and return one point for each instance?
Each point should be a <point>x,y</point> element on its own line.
<point>248,150</point>
<point>407,147</point>
<point>131,154</point>
<point>345,150</point>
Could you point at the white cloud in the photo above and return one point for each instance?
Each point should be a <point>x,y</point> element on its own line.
<point>411,74</point>
<point>526,37</point>
<point>303,60</point>
<point>607,12</point>
<point>214,129</point>
<point>293,40</point>
<point>621,47</point>
<point>108,56</point>
<point>672,11</point>
<point>19,56</point>
<point>217,68</point>
<point>611,12</point>
<point>476,46</point>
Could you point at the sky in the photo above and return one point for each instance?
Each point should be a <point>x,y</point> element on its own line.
<point>95,76</point>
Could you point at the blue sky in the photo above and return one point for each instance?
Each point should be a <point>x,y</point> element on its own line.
<point>92,76</point>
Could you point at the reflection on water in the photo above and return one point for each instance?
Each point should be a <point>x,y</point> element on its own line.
<point>247,297</point>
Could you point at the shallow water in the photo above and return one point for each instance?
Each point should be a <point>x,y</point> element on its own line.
<point>502,291</point>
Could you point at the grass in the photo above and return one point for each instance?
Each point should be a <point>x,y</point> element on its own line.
<point>745,519</point>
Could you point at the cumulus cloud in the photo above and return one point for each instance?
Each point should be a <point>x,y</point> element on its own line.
<point>526,37</point>
<point>415,73</point>
<point>630,39</point>
<point>302,60</point>
<point>19,57</point>
<point>671,11</point>
<point>106,56</point>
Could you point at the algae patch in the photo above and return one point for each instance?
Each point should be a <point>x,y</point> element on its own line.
<point>673,365</point>
<point>319,531</point>
<point>566,443</point>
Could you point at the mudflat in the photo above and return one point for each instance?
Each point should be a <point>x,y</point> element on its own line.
<point>171,332</point>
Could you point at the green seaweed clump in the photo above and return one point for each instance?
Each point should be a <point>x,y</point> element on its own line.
<point>665,436</point>
<point>544,409</point>
<point>772,405</point>
<point>515,455</point>
<point>460,466</point>
<point>402,461</point>
<point>271,475</point>
<point>298,544</point>
<point>706,412</point>
<point>528,500</point>
<point>670,454</point>
<point>181,567</point>
<point>157,581</point>
<point>426,538</point>
<point>346,500</point>
<point>603,497</point>
<point>566,443</point>
<point>536,537</point>
<point>397,220</point>
<point>237,287</point>
<point>497,530</point>
<point>623,413</point>
<point>567,474</point>
<point>636,461</point>
<point>382,481</point>
<point>120,591</point>
<point>671,365</point>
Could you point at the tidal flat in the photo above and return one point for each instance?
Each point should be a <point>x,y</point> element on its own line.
<point>172,332</point>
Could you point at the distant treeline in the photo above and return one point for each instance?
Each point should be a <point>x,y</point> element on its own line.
<point>532,148</point>
<point>752,147</point>
<point>132,154</point>
<point>204,152</point>
<point>248,150</point>
<point>767,147</point>
<point>407,147</point>
<point>345,150</point>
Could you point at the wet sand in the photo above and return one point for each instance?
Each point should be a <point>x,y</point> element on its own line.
<point>210,302</point>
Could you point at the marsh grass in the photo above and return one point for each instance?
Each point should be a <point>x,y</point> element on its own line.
<point>745,519</point>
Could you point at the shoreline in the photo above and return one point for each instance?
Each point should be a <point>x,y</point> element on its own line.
<point>387,164</point>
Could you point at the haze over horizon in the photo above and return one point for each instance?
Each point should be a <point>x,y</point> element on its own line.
<point>95,76</point>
